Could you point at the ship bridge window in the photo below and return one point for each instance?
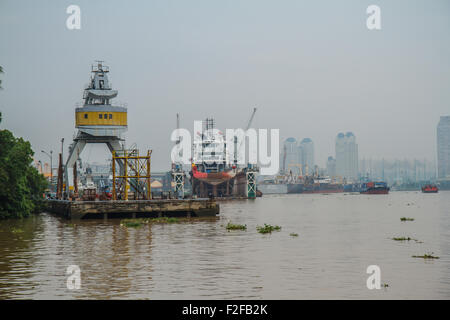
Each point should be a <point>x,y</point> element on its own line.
<point>100,116</point>
<point>106,116</point>
<point>110,116</point>
<point>85,115</point>
<point>101,83</point>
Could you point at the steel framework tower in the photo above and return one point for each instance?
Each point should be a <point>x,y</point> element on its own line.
<point>135,174</point>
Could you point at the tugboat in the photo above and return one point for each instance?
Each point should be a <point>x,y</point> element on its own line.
<point>374,188</point>
<point>430,188</point>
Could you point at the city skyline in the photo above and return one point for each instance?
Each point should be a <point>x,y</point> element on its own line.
<point>293,150</point>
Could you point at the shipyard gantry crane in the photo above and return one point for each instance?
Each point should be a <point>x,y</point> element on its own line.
<point>97,121</point>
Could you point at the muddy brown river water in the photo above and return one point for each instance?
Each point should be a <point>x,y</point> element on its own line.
<point>339,236</point>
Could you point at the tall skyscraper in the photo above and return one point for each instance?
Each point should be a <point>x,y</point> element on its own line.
<point>443,147</point>
<point>331,167</point>
<point>306,153</point>
<point>347,156</point>
<point>290,155</point>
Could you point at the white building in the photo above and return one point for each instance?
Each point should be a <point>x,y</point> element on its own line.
<point>331,167</point>
<point>290,156</point>
<point>443,147</point>
<point>347,156</point>
<point>306,153</point>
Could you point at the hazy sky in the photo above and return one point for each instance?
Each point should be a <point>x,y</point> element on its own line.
<point>312,68</point>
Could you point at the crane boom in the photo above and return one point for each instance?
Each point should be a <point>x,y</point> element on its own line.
<point>242,141</point>
<point>178,129</point>
<point>251,119</point>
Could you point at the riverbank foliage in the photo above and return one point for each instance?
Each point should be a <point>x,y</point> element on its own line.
<point>21,185</point>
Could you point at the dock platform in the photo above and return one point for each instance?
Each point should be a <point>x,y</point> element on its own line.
<point>133,208</point>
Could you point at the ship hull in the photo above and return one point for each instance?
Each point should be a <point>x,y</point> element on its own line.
<point>220,185</point>
<point>324,191</point>
<point>316,188</point>
<point>430,188</point>
<point>273,188</point>
<point>376,191</point>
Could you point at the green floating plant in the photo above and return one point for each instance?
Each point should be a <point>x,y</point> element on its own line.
<point>16,230</point>
<point>267,228</point>
<point>136,223</point>
<point>131,223</point>
<point>404,239</point>
<point>231,226</point>
<point>427,256</point>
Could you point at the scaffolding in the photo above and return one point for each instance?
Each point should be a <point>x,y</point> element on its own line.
<point>131,175</point>
<point>251,184</point>
<point>178,179</point>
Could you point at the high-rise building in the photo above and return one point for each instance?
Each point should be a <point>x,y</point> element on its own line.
<point>306,156</point>
<point>347,156</point>
<point>443,147</point>
<point>290,156</point>
<point>331,167</point>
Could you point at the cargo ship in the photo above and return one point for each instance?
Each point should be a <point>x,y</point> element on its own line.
<point>352,187</point>
<point>374,188</point>
<point>430,188</point>
<point>272,186</point>
<point>311,184</point>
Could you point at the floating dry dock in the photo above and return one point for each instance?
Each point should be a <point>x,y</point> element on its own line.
<point>133,208</point>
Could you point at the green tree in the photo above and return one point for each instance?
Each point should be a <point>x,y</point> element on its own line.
<point>21,185</point>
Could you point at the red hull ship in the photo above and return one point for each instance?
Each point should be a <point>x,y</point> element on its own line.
<point>213,178</point>
<point>212,173</point>
<point>430,188</point>
<point>374,188</point>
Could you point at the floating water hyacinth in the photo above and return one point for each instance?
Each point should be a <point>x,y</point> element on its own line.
<point>403,239</point>
<point>136,223</point>
<point>427,256</point>
<point>267,228</point>
<point>231,226</point>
